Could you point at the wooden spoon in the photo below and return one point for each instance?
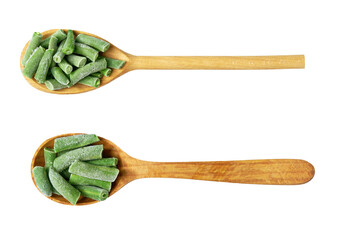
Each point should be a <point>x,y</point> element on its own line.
<point>171,62</point>
<point>270,171</point>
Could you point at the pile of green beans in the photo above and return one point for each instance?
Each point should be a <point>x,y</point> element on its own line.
<point>74,168</point>
<point>63,60</point>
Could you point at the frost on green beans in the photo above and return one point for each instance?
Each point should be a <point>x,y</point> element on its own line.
<point>75,141</point>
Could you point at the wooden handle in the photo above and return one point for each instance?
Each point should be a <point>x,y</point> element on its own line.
<point>219,62</point>
<point>272,171</point>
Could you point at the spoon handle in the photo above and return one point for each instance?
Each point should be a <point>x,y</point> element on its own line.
<point>219,62</point>
<point>271,171</point>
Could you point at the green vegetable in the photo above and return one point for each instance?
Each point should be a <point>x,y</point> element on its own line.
<point>79,180</point>
<point>65,66</point>
<point>90,81</point>
<point>110,162</point>
<point>76,60</point>
<point>86,70</point>
<point>114,63</point>
<point>49,156</point>
<point>42,180</point>
<point>106,72</point>
<point>34,43</point>
<point>59,55</point>
<point>69,44</point>
<point>103,173</point>
<point>33,62</point>
<point>44,66</point>
<point>75,141</point>
<point>66,190</point>
<point>94,42</point>
<point>95,193</point>
<point>59,34</point>
<point>86,51</point>
<point>60,76</point>
<point>52,84</point>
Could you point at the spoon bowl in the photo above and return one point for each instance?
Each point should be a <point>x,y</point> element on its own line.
<point>173,62</point>
<point>267,171</point>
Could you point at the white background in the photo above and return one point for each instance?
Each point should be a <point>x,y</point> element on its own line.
<point>157,115</point>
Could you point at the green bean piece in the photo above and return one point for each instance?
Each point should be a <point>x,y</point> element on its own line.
<point>42,180</point>
<point>34,43</point>
<point>109,162</point>
<point>75,60</point>
<point>97,74</point>
<point>49,156</point>
<point>44,65</point>
<point>75,141</point>
<point>86,70</point>
<point>83,181</point>
<point>106,72</point>
<point>59,55</point>
<point>52,85</point>
<point>65,66</point>
<point>33,62</point>
<point>83,153</point>
<point>60,76</point>
<point>86,51</point>
<point>114,63</point>
<point>66,174</point>
<point>69,43</point>
<point>94,42</point>
<point>66,190</point>
<point>90,81</point>
<point>95,193</point>
<point>53,43</point>
<point>88,170</point>
<point>59,34</point>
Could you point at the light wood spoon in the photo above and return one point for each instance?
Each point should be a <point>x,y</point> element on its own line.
<point>270,171</point>
<point>172,62</point>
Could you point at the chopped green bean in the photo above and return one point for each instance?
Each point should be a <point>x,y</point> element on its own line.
<point>94,42</point>
<point>86,51</point>
<point>90,81</point>
<point>49,156</point>
<point>86,70</point>
<point>88,170</point>
<point>33,62</point>
<point>95,193</point>
<point>114,63</point>
<point>66,190</point>
<point>69,44</point>
<point>59,55</point>
<point>106,72</point>
<point>97,74</point>
<point>42,180</point>
<point>109,162</point>
<point>75,141</point>
<point>83,153</point>
<point>59,34</point>
<point>60,76</point>
<point>65,66</point>
<point>79,180</point>
<point>44,65</point>
<point>77,61</point>
<point>53,43</point>
<point>34,44</point>
<point>52,84</point>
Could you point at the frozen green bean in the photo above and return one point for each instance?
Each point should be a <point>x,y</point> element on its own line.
<point>88,170</point>
<point>69,44</point>
<point>90,81</point>
<point>106,72</point>
<point>114,63</point>
<point>86,51</point>
<point>66,190</point>
<point>49,156</point>
<point>33,62</point>
<point>59,55</point>
<point>44,65</point>
<point>77,61</point>
<point>95,193</point>
<point>110,162</point>
<point>59,34</point>
<point>42,180</point>
<point>60,76</point>
<point>86,70</point>
<point>53,43</point>
<point>97,74</point>
<point>34,43</point>
<point>79,180</point>
<point>84,153</point>
<point>75,141</point>
<point>94,42</point>
<point>52,84</point>
<point>65,66</point>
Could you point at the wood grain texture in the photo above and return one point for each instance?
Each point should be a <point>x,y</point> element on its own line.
<point>267,171</point>
<point>174,62</point>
